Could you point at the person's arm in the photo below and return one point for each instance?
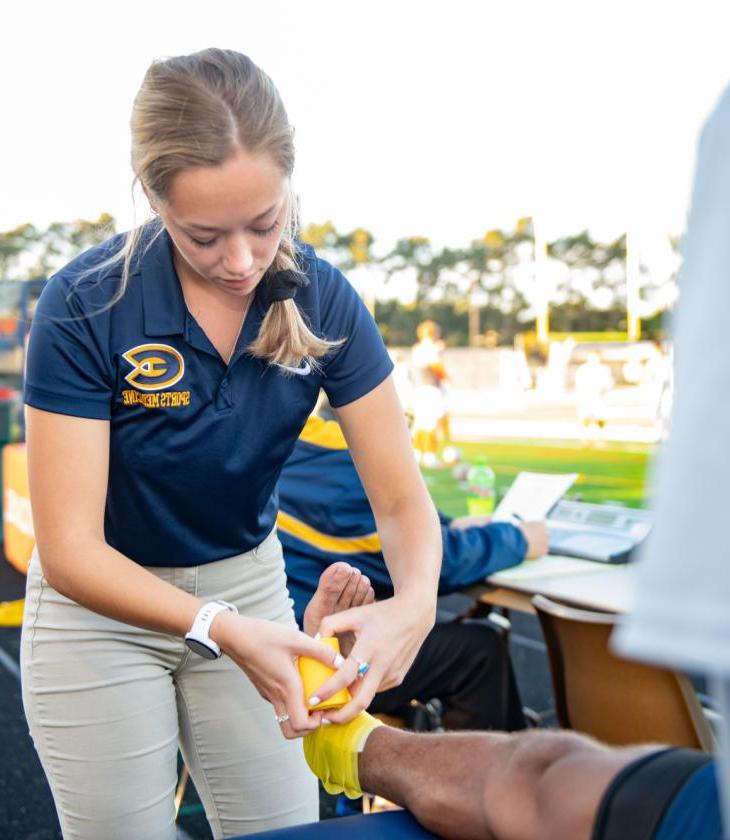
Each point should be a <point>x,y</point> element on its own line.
<point>68,464</point>
<point>472,554</point>
<point>389,632</point>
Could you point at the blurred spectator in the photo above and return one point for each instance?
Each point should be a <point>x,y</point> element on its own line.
<point>430,412</point>
<point>593,381</point>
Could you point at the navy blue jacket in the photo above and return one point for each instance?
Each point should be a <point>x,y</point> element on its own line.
<point>325,516</point>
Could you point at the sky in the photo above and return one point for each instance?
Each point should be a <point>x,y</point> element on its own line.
<point>412,118</point>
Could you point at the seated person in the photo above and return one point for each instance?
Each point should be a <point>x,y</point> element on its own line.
<point>325,519</point>
<point>541,784</point>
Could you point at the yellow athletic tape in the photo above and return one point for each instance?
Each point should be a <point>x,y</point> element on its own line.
<point>11,613</point>
<point>331,753</point>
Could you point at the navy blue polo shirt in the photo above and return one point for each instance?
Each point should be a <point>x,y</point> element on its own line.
<point>196,446</point>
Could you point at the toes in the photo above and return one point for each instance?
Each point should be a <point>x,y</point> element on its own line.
<point>361,591</point>
<point>334,577</point>
<point>348,593</point>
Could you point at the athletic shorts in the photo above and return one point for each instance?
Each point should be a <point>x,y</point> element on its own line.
<point>667,795</point>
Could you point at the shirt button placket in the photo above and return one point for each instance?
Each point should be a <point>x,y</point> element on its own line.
<point>224,395</point>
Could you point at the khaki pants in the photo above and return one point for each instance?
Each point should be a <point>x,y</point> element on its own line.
<point>108,704</point>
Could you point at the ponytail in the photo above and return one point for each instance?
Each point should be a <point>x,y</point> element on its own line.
<point>284,337</point>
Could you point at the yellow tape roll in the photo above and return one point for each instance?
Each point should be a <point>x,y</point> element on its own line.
<point>314,673</point>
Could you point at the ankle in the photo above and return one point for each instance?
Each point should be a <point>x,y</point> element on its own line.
<point>333,752</point>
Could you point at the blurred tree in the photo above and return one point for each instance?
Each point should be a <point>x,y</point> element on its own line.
<point>398,321</point>
<point>596,271</point>
<point>320,236</point>
<point>345,250</point>
<point>13,245</point>
<point>480,276</point>
<point>350,252</point>
<point>62,241</point>
<point>359,243</point>
<point>465,289</point>
<point>28,252</point>
<point>412,253</point>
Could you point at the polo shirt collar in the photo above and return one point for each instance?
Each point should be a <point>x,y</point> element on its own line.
<point>163,303</point>
<point>162,298</point>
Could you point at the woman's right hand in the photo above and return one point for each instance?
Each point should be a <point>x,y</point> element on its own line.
<point>267,653</point>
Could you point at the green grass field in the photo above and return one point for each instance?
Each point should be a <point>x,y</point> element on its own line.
<point>613,472</point>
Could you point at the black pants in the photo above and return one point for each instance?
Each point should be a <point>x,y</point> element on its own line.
<point>467,666</point>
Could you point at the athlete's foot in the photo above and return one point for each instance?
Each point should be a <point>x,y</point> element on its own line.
<point>340,587</point>
<point>332,753</point>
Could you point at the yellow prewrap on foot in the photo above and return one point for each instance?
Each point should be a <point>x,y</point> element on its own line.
<point>331,753</point>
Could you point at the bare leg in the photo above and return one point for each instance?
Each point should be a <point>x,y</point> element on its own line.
<point>545,784</point>
<point>492,786</point>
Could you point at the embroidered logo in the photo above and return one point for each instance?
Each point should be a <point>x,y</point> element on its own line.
<point>154,366</point>
<point>303,370</point>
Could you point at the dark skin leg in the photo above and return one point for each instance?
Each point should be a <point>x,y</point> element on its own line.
<point>489,786</point>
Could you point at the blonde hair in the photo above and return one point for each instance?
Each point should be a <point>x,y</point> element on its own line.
<point>197,110</point>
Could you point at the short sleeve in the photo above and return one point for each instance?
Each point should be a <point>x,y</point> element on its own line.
<point>361,362</point>
<point>68,369</point>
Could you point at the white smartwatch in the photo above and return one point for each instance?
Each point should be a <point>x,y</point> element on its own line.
<point>198,638</point>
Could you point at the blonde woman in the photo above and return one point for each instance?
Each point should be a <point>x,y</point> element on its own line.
<point>170,372</point>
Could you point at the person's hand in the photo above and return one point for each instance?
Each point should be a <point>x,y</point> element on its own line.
<point>536,534</point>
<point>462,522</point>
<point>388,635</point>
<point>267,652</point>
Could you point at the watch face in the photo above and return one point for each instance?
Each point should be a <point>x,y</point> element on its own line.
<point>201,649</point>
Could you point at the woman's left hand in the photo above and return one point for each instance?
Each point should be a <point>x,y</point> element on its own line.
<point>388,636</point>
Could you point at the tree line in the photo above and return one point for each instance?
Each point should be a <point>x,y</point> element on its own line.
<point>486,291</point>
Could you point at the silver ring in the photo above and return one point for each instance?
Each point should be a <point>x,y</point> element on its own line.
<point>282,718</point>
<point>362,669</point>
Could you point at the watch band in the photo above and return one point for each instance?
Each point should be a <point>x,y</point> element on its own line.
<point>198,638</point>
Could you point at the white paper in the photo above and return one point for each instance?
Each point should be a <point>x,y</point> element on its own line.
<point>531,495</point>
<point>551,565</point>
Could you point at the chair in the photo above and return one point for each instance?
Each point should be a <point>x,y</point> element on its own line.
<point>615,700</point>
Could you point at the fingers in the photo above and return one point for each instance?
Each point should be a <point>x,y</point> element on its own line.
<point>363,681</point>
<point>362,691</point>
<point>293,717</point>
<point>342,678</point>
<point>300,721</point>
<point>316,650</point>
<point>340,622</point>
